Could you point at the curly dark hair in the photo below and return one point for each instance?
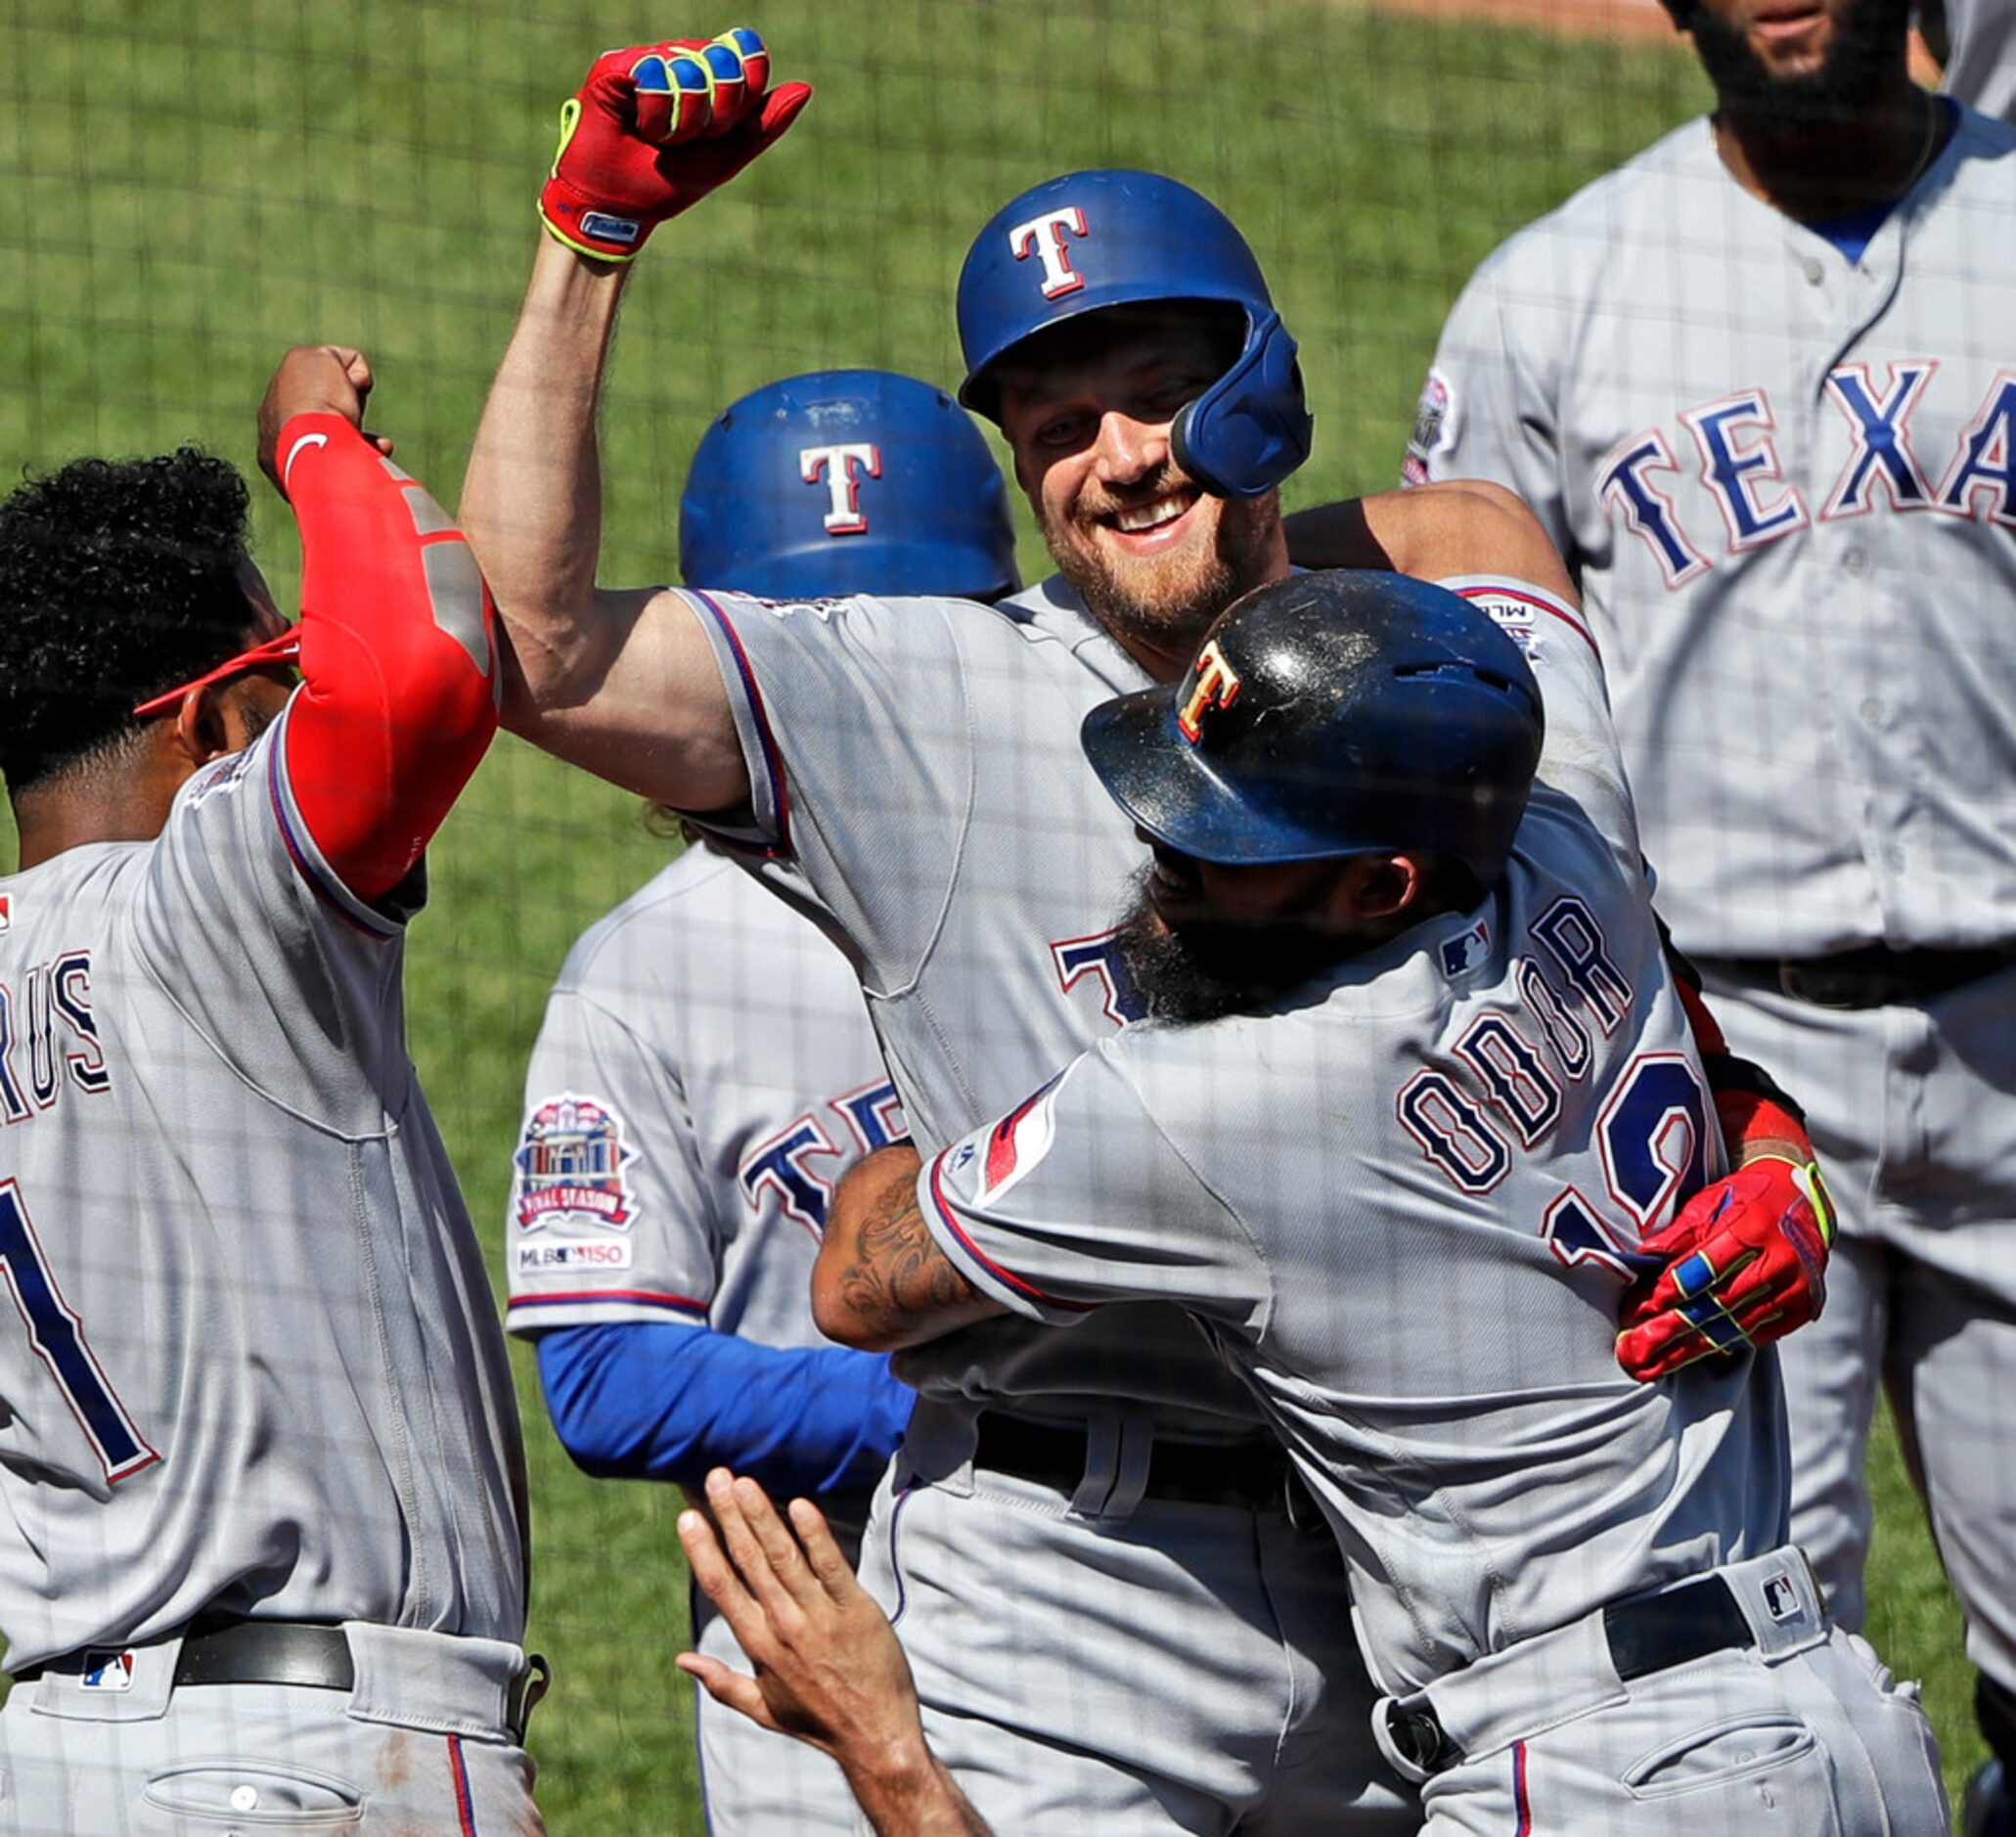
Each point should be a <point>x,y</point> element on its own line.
<point>119,578</point>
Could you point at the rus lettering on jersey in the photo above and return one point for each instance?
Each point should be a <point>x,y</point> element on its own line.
<point>37,1063</point>
<point>1217,686</point>
<point>1044,237</point>
<point>1745,476</point>
<point>842,469</point>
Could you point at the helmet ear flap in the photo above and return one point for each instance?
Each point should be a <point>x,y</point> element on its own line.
<point>1251,428</point>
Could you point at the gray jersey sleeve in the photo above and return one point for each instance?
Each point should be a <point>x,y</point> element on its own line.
<point>1076,1199</point>
<point>845,707</point>
<point>1581,757</point>
<point>285,975</point>
<point>608,1218</point>
<point>1487,411</point>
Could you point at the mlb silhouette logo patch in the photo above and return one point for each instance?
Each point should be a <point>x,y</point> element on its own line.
<point>1781,1598</point>
<point>1465,951</point>
<point>107,1671</point>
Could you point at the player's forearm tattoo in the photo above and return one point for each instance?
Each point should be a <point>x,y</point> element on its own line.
<point>898,1275</point>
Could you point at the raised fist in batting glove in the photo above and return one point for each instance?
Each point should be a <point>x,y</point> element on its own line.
<point>1744,1264</point>
<point>653,130</point>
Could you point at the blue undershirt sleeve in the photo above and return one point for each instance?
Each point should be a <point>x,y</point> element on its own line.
<point>661,1400</point>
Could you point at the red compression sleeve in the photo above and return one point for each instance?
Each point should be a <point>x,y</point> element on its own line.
<point>398,651</point>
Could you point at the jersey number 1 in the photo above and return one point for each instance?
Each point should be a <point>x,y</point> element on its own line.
<point>58,1337</point>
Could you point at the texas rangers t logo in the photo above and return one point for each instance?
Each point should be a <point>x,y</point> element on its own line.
<point>842,467</point>
<point>1044,237</point>
<point>1216,686</point>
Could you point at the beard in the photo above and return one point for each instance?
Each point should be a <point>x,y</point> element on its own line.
<point>1207,969</point>
<point>1170,602</point>
<point>1868,43</point>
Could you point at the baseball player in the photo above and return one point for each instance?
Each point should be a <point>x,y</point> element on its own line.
<point>262,1555</point>
<point>1973,43</point>
<point>1109,1590</point>
<point>706,1070</point>
<point>1419,1032</point>
<point>1758,383</point>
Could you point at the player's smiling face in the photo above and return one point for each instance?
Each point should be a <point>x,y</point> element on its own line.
<point>1087,409</point>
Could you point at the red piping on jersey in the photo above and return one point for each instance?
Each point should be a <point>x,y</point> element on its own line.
<point>772,760</point>
<point>986,1261</point>
<point>1522,1804</point>
<point>647,1297</point>
<point>464,1810</point>
<point>1540,601</point>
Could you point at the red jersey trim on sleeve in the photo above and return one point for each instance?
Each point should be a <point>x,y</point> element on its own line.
<point>1008,1278</point>
<point>612,1297</point>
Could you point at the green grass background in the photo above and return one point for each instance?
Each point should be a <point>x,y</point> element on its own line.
<point>186,191</point>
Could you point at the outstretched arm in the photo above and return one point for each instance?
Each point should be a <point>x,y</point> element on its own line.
<point>621,683</point>
<point>397,641</point>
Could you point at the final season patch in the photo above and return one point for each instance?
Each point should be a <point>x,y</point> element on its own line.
<point>1434,429</point>
<point>570,1161</point>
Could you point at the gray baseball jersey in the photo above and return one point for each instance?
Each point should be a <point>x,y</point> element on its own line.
<point>1980,62</point>
<point>920,762</point>
<point>1476,1124</point>
<point>255,1366</point>
<point>705,1075</point>
<point>1785,481</point>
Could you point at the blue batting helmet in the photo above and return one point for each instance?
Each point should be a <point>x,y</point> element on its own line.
<point>1343,713</point>
<point>1114,238</point>
<point>847,481</point>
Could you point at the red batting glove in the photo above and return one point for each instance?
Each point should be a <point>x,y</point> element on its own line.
<point>653,130</point>
<point>1746,1262</point>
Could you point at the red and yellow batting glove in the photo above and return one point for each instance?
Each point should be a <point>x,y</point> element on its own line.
<point>1744,1264</point>
<point>653,130</point>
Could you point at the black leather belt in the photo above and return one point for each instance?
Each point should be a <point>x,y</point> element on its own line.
<point>1874,976</point>
<point>300,1653</point>
<point>1254,1475</point>
<point>1645,1635</point>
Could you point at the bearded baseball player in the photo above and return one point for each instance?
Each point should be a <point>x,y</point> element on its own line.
<point>1419,1028</point>
<point>262,1556</point>
<point>1801,453</point>
<point>706,1070</point>
<point>1119,1611</point>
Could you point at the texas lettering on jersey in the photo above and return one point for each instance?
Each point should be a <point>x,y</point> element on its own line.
<point>781,1168</point>
<point>1733,447</point>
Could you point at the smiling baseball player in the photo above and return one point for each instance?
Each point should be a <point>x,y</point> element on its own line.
<point>706,1070</point>
<point>1417,1030</point>
<point>1063,1501</point>
<point>262,1557</point>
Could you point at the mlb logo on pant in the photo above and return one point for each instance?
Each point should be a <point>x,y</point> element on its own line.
<point>108,1671</point>
<point>1781,1598</point>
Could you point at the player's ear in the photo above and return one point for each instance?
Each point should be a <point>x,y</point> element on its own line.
<point>1381,886</point>
<point>203,732</point>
